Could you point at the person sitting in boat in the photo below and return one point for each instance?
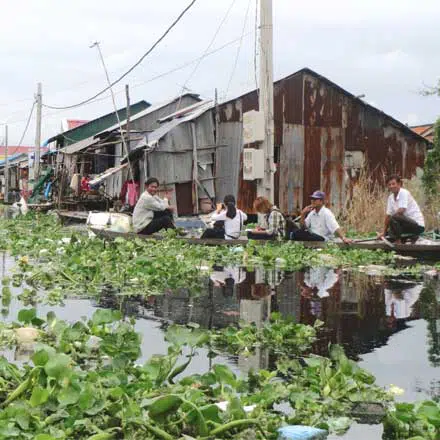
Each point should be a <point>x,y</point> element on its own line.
<point>318,222</point>
<point>228,221</point>
<point>273,224</point>
<point>403,215</point>
<point>151,213</point>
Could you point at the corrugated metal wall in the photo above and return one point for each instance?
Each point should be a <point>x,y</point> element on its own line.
<point>316,124</point>
<point>172,161</point>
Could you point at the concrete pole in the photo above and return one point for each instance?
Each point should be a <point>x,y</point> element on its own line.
<point>39,102</point>
<point>265,186</point>
<point>6,198</point>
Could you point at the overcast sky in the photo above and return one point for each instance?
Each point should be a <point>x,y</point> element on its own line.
<point>385,49</point>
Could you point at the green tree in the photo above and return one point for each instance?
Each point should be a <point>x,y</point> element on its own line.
<point>431,172</point>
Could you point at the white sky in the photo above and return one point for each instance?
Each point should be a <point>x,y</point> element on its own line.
<point>385,49</point>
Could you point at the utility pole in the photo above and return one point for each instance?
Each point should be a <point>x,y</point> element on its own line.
<point>6,197</point>
<point>39,102</point>
<point>127,125</point>
<point>124,144</point>
<point>265,187</point>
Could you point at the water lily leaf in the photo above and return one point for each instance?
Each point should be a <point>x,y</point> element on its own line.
<point>26,315</point>
<point>39,396</point>
<point>40,358</point>
<point>68,396</point>
<point>164,405</point>
<point>339,425</point>
<point>180,336</point>
<point>57,366</point>
<point>224,374</point>
<point>44,437</point>
<point>106,316</point>
<point>431,411</point>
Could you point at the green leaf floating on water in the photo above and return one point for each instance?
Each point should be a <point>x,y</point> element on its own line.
<point>164,405</point>
<point>58,366</point>
<point>39,396</point>
<point>27,315</point>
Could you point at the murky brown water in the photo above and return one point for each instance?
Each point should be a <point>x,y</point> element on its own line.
<point>391,326</point>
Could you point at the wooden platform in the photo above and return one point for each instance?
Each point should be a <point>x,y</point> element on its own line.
<point>425,250</point>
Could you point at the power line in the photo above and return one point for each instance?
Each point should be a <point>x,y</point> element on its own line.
<point>24,131</point>
<point>205,52</point>
<point>132,67</point>
<point>238,49</point>
<point>160,75</point>
<point>27,124</point>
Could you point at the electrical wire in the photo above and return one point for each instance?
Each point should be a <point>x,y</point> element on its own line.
<point>237,55</point>
<point>158,76</point>
<point>24,131</point>
<point>225,17</point>
<point>180,16</point>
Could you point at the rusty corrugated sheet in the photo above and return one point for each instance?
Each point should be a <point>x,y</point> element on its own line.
<point>332,166</point>
<point>316,123</point>
<point>312,161</point>
<point>291,169</point>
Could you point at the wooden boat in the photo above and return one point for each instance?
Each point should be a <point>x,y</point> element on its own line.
<point>426,249</point>
<point>72,216</point>
<point>42,207</point>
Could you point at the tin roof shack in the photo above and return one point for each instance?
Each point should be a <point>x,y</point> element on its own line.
<point>181,154</point>
<point>101,154</point>
<point>323,136</point>
<point>91,128</point>
<point>18,175</point>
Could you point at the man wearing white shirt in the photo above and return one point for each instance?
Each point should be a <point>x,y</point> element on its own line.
<point>403,215</point>
<point>320,222</point>
<point>151,213</point>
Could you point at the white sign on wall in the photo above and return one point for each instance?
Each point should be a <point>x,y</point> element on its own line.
<point>253,127</point>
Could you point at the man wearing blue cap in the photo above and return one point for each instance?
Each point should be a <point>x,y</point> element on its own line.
<point>320,222</point>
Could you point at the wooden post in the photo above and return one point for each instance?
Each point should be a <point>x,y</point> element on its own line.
<point>127,125</point>
<point>39,102</point>
<point>195,171</point>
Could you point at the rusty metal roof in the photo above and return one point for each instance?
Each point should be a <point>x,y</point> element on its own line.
<point>307,71</point>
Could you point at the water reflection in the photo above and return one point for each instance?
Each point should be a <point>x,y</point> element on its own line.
<point>392,326</point>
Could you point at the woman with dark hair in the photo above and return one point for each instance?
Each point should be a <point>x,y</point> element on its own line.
<point>228,220</point>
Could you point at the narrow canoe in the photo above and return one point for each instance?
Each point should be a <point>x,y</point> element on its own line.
<point>426,249</point>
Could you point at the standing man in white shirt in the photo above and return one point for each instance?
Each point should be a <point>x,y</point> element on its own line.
<point>151,213</point>
<point>403,215</point>
<point>320,222</point>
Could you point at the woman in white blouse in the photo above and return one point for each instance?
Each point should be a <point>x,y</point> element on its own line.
<point>231,217</point>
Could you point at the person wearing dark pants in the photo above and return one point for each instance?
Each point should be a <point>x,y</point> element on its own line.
<point>318,222</point>
<point>306,235</point>
<point>403,215</point>
<point>151,213</point>
<point>161,220</point>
